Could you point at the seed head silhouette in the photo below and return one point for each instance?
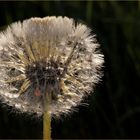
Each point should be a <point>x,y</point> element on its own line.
<point>48,58</point>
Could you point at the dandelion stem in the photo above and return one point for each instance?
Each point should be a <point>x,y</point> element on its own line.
<point>47,118</point>
<point>46,126</point>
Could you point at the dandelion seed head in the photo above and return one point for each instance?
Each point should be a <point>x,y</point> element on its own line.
<point>50,56</point>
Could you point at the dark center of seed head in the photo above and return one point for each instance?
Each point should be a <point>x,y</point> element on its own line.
<point>43,73</point>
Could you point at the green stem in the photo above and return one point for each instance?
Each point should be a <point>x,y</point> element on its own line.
<point>47,118</point>
<point>46,126</point>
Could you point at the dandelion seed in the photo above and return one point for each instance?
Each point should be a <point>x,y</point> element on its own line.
<point>48,58</point>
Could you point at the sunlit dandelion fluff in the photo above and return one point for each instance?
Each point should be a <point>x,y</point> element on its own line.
<point>48,57</point>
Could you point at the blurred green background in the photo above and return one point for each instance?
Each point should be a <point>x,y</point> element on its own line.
<point>114,107</point>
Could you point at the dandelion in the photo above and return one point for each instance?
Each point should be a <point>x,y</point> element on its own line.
<point>48,65</point>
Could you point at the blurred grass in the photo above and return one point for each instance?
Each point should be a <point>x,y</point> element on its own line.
<point>114,108</point>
